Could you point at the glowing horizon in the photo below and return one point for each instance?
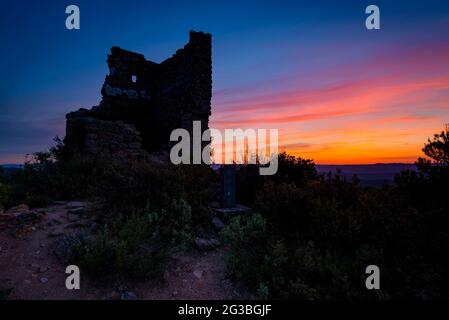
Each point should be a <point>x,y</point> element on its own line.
<point>384,115</point>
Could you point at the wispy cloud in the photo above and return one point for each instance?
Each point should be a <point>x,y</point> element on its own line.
<point>381,107</point>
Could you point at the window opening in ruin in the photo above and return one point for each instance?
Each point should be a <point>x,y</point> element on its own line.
<point>134,78</point>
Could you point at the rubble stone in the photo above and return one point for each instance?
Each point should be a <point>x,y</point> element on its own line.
<point>206,244</point>
<point>217,223</point>
<point>18,210</point>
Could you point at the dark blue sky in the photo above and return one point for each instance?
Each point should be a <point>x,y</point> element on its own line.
<point>47,71</point>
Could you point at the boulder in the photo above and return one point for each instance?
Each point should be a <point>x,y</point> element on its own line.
<point>76,205</point>
<point>77,211</point>
<point>217,223</point>
<point>65,249</point>
<point>226,213</point>
<point>206,244</point>
<point>18,210</point>
<point>56,233</point>
<point>128,295</point>
<point>198,274</point>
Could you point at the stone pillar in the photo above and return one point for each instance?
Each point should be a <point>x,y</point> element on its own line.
<point>227,186</point>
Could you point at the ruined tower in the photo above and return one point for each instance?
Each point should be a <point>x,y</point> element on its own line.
<point>143,101</point>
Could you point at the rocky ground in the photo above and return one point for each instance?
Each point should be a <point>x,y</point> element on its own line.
<point>30,267</point>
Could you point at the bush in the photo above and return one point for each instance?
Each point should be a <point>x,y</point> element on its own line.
<point>277,270</point>
<point>313,238</point>
<point>148,210</point>
<point>145,209</point>
<point>291,170</point>
<point>129,189</point>
<point>137,245</point>
<point>247,240</point>
<point>5,195</point>
<point>4,293</point>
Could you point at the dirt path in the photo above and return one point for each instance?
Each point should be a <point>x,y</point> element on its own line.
<point>29,266</point>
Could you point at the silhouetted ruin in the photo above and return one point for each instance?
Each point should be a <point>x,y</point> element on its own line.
<point>144,101</point>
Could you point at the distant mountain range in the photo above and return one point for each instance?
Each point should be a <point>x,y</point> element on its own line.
<point>370,175</point>
<point>11,166</point>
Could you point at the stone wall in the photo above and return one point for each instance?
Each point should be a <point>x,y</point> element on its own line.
<point>107,138</point>
<point>143,101</point>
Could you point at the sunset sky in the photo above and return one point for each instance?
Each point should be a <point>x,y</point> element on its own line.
<point>337,92</point>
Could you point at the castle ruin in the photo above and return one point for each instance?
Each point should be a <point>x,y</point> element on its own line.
<point>143,102</point>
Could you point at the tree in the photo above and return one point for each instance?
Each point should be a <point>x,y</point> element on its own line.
<point>438,148</point>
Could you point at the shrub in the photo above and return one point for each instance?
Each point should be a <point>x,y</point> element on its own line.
<point>4,293</point>
<point>246,237</point>
<point>128,250</point>
<point>291,170</point>
<point>137,245</point>
<point>277,270</point>
<point>5,195</point>
<point>314,239</point>
<point>131,188</point>
<point>145,209</point>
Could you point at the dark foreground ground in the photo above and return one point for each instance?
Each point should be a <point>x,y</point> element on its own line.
<point>31,269</point>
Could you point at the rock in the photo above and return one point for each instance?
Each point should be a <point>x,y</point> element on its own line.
<point>206,244</point>
<point>217,223</point>
<point>18,210</point>
<point>215,204</point>
<point>174,293</point>
<point>56,233</point>
<point>35,265</point>
<point>94,227</point>
<point>65,249</point>
<point>44,280</point>
<point>198,274</point>
<point>76,211</point>
<point>114,295</point>
<point>76,205</point>
<point>41,211</point>
<point>73,217</point>
<point>77,225</point>
<point>28,218</point>
<point>59,203</point>
<point>53,222</point>
<point>128,295</point>
<point>239,209</point>
<point>43,269</point>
